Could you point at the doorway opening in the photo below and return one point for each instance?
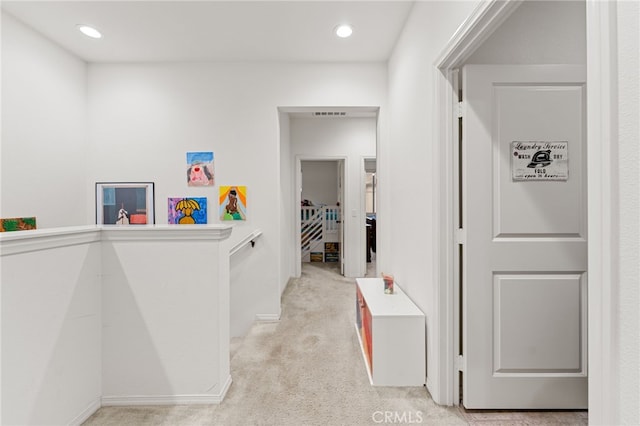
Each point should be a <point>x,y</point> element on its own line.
<point>370,202</point>
<point>323,134</point>
<point>321,226</point>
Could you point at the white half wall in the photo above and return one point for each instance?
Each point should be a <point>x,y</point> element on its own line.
<point>51,327</point>
<point>165,315</point>
<point>44,123</point>
<point>112,315</point>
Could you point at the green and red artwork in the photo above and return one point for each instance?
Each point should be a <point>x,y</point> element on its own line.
<point>17,224</point>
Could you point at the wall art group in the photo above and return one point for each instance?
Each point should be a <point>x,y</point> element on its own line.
<point>132,203</point>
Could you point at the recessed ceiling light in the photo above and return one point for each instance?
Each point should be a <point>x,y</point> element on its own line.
<point>344,30</point>
<point>89,31</point>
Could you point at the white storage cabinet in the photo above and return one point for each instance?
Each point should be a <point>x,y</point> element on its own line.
<point>391,330</point>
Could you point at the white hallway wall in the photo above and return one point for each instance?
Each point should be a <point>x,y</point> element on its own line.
<point>144,117</point>
<point>320,182</point>
<point>44,122</point>
<point>408,165</point>
<point>352,138</point>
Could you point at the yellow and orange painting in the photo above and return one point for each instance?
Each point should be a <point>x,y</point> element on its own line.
<point>233,202</point>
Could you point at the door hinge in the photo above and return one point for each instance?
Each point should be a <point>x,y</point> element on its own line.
<point>460,109</point>
<point>462,366</point>
<point>461,236</point>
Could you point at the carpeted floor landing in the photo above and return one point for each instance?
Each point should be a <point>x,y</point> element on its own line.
<point>306,369</point>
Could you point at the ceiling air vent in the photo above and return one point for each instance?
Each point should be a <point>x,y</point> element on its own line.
<point>329,114</point>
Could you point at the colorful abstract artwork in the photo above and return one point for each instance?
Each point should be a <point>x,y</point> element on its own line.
<point>125,203</point>
<point>187,211</point>
<point>233,203</point>
<point>17,224</point>
<point>200,169</point>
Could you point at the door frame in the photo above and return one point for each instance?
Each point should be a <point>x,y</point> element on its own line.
<point>601,190</point>
<point>483,21</point>
<point>363,203</point>
<point>341,160</point>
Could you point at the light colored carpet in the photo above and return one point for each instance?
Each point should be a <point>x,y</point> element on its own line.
<point>306,369</point>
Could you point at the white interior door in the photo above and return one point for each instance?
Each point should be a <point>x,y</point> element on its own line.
<point>525,251</point>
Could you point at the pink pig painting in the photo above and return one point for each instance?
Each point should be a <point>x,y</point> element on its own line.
<point>200,169</point>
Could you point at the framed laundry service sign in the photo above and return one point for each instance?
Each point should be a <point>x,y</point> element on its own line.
<point>539,160</point>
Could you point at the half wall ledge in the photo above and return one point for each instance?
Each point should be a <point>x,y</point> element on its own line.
<point>48,238</point>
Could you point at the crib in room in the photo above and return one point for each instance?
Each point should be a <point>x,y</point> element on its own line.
<point>320,233</point>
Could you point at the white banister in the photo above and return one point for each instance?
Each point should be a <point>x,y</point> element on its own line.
<point>251,238</point>
<point>319,225</point>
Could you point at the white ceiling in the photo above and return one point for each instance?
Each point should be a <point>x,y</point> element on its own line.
<point>151,31</point>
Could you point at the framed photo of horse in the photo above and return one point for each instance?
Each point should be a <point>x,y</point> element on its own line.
<point>125,203</point>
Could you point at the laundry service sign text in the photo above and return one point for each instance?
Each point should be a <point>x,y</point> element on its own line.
<point>539,160</point>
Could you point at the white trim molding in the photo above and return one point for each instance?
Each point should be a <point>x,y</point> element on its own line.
<point>268,317</point>
<point>86,413</point>
<point>483,21</point>
<point>44,239</point>
<point>166,232</point>
<point>603,206</point>
<point>196,399</point>
<point>48,238</point>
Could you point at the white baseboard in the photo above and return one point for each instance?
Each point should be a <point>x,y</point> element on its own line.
<point>132,400</point>
<point>268,317</point>
<point>195,399</point>
<point>430,388</point>
<point>225,388</point>
<point>86,413</point>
